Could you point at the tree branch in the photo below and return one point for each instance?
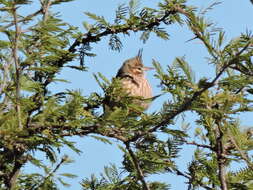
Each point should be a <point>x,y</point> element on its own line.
<point>220,153</point>
<point>125,28</point>
<point>243,155</point>
<point>25,19</point>
<point>45,8</point>
<point>188,101</point>
<point>135,161</point>
<point>199,145</point>
<point>66,131</point>
<point>178,172</point>
<point>35,186</point>
<point>93,38</point>
<point>17,66</point>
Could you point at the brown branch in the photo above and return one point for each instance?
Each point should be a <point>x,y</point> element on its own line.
<point>91,38</point>
<point>17,66</point>
<point>88,37</point>
<point>66,131</point>
<point>10,178</point>
<point>135,161</point>
<point>188,101</point>
<point>199,145</point>
<point>50,174</point>
<point>237,68</point>
<point>14,174</point>
<point>220,153</point>
<point>178,172</point>
<point>45,9</point>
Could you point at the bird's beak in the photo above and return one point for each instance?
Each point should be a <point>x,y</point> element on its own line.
<point>147,68</point>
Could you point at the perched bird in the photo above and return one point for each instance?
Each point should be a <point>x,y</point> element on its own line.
<point>133,80</point>
<point>130,84</point>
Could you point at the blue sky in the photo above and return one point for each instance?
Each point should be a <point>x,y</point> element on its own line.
<point>235,16</point>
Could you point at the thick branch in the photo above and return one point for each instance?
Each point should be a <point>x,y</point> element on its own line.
<point>11,178</point>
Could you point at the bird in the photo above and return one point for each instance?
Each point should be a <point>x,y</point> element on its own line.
<point>129,87</point>
<point>133,79</point>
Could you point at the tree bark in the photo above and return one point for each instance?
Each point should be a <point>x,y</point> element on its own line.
<point>221,157</point>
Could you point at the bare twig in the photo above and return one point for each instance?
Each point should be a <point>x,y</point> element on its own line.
<point>180,173</point>
<point>199,145</point>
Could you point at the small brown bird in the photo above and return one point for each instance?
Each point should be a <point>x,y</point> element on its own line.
<point>132,75</point>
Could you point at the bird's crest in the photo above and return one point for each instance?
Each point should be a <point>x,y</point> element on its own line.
<point>139,55</point>
<point>138,58</point>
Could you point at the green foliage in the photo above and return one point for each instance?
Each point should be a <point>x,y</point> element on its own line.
<point>35,49</point>
<point>46,181</point>
<point>112,179</point>
<point>241,179</point>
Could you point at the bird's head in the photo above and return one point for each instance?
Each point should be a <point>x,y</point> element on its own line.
<point>134,66</point>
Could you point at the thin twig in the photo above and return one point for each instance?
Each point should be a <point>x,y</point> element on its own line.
<point>5,77</point>
<point>178,172</point>
<point>243,155</point>
<point>25,19</point>
<point>199,145</point>
<point>137,167</point>
<point>35,186</point>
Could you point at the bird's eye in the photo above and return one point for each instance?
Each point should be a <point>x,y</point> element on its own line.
<point>139,68</point>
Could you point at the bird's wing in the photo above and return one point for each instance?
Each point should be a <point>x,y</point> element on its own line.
<point>128,78</point>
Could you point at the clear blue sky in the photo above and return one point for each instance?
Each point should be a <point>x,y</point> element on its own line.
<point>235,16</point>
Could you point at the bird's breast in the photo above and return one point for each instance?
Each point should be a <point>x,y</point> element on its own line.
<point>138,87</point>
